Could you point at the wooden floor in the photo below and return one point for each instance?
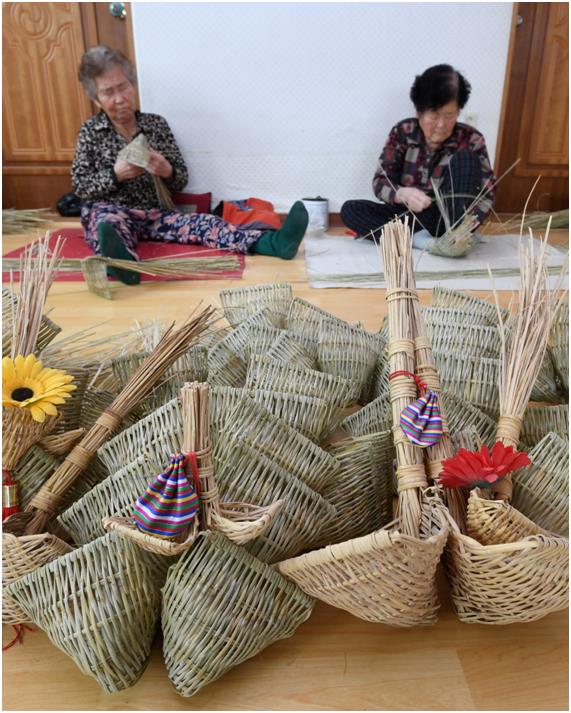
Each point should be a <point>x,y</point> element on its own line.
<point>334,661</point>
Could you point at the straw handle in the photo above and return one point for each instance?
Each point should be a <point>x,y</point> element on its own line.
<point>46,501</point>
<point>195,399</point>
<point>508,431</point>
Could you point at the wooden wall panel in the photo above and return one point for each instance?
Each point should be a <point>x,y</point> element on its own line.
<point>44,103</point>
<point>544,136</point>
<point>535,126</point>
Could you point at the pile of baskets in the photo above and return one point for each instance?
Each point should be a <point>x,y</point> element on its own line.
<point>286,448</point>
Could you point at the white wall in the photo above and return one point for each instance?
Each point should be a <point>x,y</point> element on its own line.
<point>287,100</point>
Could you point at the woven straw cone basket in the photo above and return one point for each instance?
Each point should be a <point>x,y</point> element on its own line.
<point>220,607</point>
<point>99,605</point>
<point>386,577</point>
<point>522,579</point>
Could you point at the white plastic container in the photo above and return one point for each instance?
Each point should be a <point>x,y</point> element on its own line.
<point>318,210</point>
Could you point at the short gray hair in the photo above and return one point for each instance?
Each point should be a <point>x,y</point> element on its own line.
<point>98,60</point>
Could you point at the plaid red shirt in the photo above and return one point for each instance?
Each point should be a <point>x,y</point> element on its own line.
<point>406,161</point>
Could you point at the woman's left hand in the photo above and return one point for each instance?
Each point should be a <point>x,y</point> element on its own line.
<point>158,165</point>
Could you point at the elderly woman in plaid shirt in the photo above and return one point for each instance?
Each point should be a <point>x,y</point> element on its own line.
<point>432,148</point>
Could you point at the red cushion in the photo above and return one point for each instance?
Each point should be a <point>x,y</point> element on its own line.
<point>201,201</point>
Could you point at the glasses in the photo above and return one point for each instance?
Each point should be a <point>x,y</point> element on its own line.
<point>434,116</point>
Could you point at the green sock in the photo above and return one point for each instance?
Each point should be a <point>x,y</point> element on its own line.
<point>285,241</point>
<point>111,245</point>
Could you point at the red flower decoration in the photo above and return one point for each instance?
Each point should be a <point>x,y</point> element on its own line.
<point>481,469</point>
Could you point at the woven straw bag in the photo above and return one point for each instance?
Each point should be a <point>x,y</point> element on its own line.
<point>292,348</point>
<point>541,491</point>
<point>520,580</point>
<point>374,417</point>
<point>160,432</point>
<point>477,307</point>
<point>388,576</point>
<point>245,474</point>
<point>306,414</point>
<point>538,421</point>
<point>238,303</point>
<point>220,607</point>
<point>114,496</point>
<point>385,577</point>
<point>251,423</point>
<point>99,605</point>
<point>362,490</point>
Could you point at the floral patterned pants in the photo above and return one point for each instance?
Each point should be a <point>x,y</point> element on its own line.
<point>169,226</point>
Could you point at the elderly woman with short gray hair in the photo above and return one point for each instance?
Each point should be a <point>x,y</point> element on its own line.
<point>119,200</point>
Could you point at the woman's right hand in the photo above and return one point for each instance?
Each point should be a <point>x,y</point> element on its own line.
<point>413,198</point>
<point>125,171</point>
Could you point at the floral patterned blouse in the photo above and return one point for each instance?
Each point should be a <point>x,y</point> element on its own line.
<point>98,144</point>
<point>406,161</point>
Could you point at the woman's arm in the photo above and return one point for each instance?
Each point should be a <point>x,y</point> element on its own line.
<point>90,180</point>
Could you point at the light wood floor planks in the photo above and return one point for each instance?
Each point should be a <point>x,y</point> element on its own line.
<point>334,661</point>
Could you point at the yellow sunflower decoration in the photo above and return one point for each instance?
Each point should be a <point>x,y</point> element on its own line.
<point>27,384</point>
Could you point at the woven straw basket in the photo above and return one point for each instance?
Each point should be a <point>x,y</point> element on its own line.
<point>99,605</point>
<point>220,607</point>
<point>275,299</point>
<point>541,491</point>
<point>21,555</point>
<point>522,579</point>
<point>385,577</point>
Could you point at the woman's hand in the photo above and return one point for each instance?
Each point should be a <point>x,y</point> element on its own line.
<point>413,198</point>
<point>158,165</point>
<point>125,171</point>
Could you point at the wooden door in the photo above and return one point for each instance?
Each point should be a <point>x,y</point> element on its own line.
<point>44,103</point>
<point>535,115</point>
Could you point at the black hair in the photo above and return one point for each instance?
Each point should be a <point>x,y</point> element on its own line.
<point>438,86</point>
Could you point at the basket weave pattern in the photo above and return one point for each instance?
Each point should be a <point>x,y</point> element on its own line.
<point>220,607</point>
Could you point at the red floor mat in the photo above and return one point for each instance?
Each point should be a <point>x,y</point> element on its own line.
<point>76,247</point>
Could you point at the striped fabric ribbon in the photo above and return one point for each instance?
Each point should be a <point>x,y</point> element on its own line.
<point>421,421</point>
<point>170,502</point>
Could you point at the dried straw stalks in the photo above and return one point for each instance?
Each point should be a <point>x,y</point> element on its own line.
<point>401,293</point>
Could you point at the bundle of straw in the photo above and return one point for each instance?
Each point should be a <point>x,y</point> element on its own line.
<point>25,221</point>
<point>536,220</point>
<point>173,344</point>
<point>38,266</point>
<point>94,267</point>
<point>401,293</point>
<point>523,352</point>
